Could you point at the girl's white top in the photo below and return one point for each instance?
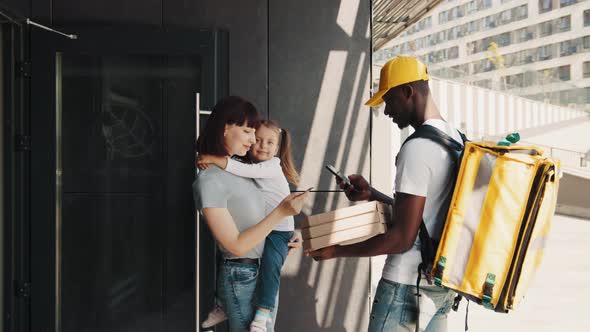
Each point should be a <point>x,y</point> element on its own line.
<point>271,180</point>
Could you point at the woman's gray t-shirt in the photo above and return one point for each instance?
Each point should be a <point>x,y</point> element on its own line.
<point>216,188</point>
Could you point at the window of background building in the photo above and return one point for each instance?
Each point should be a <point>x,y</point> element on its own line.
<point>504,39</point>
<point>564,23</point>
<point>545,6</point>
<point>528,78</point>
<point>586,42</point>
<point>484,83</point>
<point>546,28</point>
<point>453,52</point>
<point>509,60</point>
<point>521,12</point>
<point>587,18</point>
<point>544,53</point>
<point>515,81</point>
<point>525,34</point>
<point>490,22</point>
<point>586,69</point>
<point>565,3</point>
<point>474,26</point>
<point>505,16</point>
<point>442,17</point>
<point>567,47</point>
<point>563,73</point>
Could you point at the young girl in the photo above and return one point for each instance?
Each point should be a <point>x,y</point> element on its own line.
<point>271,174</point>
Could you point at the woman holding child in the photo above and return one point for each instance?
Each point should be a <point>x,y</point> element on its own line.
<point>239,213</point>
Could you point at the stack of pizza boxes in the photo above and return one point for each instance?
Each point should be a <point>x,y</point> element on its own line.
<point>346,225</point>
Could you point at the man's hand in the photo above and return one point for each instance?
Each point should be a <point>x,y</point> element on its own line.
<point>359,190</point>
<point>322,254</point>
<point>295,242</point>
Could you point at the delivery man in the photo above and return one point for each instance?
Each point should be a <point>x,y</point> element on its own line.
<point>423,185</point>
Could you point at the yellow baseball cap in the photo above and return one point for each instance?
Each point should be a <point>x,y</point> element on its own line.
<point>397,71</point>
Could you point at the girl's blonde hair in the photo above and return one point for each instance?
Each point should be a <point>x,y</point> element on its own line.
<point>285,153</point>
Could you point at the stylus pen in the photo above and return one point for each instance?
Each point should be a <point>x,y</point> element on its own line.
<point>318,191</point>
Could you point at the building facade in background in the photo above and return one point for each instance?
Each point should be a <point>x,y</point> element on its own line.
<point>538,49</point>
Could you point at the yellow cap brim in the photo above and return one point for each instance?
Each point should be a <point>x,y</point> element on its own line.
<point>376,99</point>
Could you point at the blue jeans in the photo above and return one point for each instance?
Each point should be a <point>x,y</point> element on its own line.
<point>394,308</point>
<point>275,252</point>
<point>236,284</point>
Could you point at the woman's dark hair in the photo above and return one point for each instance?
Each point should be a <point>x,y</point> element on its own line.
<point>230,110</point>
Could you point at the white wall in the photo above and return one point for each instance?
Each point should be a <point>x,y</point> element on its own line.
<point>481,112</point>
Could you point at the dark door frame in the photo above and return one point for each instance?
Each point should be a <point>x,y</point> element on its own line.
<point>212,46</point>
<point>16,159</point>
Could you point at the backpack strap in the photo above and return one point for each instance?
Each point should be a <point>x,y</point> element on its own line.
<point>454,148</point>
<point>428,246</point>
<point>436,135</point>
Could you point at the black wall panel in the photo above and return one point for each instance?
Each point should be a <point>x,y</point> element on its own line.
<point>246,22</point>
<point>20,7</point>
<point>127,12</point>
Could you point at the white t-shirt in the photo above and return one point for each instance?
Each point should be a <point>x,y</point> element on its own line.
<point>424,168</point>
<point>271,180</point>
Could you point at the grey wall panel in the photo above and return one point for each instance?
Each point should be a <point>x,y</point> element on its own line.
<point>246,22</point>
<point>318,80</point>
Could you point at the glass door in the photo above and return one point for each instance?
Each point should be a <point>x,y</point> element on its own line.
<point>113,229</point>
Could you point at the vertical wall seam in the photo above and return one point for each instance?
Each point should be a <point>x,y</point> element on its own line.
<point>268,59</point>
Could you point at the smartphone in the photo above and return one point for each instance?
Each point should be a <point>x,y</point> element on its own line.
<point>338,174</point>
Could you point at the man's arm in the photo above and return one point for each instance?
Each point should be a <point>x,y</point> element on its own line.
<point>399,237</point>
<point>376,195</point>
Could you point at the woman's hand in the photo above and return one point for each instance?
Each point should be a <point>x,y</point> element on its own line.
<point>293,204</point>
<point>295,242</point>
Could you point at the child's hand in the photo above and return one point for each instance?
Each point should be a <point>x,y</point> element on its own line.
<point>202,161</point>
<point>202,166</point>
<point>295,242</point>
<point>206,159</point>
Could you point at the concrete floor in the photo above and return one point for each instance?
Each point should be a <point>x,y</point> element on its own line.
<point>559,295</point>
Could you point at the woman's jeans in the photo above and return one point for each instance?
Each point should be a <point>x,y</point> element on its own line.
<point>276,248</point>
<point>236,284</point>
<point>394,308</point>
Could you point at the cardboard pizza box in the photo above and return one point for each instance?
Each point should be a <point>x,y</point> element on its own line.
<point>347,212</point>
<point>345,237</point>
<point>342,224</point>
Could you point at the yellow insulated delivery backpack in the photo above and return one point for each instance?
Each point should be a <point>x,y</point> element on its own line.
<point>498,220</point>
